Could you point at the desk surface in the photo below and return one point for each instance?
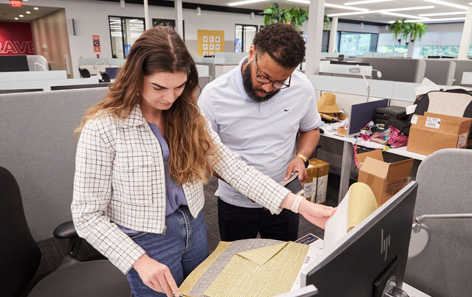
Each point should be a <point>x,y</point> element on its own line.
<point>330,130</point>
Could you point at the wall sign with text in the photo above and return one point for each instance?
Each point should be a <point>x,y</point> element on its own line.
<point>16,39</point>
<point>96,43</point>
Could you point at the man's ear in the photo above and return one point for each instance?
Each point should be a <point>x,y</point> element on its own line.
<point>252,52</point>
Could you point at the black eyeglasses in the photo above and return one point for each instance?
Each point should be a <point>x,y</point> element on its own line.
<point>278,84</point>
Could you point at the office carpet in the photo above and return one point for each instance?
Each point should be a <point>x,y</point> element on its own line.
<point>53,250</point>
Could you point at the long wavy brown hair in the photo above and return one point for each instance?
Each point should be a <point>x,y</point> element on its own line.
<point>191,147</point>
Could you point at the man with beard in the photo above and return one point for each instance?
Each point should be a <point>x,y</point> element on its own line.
<point>265,111</point>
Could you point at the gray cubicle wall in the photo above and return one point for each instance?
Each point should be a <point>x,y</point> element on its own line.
<point>461,67</point>
<point>397,69</point>
<point>38,146</point>
<point>440,71</point>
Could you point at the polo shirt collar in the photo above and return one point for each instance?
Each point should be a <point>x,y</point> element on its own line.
<point>238,79</point>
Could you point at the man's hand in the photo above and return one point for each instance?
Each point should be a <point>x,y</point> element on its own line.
<point>156,276</point>
<point>296,165</point>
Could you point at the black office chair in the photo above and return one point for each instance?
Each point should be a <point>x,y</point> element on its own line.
<point>105,77</point>
<point>20,258</point>
<point>84,72</point>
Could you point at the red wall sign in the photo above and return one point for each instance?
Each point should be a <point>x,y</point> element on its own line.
<point>16,39</point>
<point>96,43</point>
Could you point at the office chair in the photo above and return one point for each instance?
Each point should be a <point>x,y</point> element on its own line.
<point>105,77</point>
<point>84,72</point>
<point>20,258</point>
<point>444,268</point>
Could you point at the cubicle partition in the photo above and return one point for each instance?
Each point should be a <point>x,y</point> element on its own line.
<point>461,67</point>
<point>38,147</point>
<point>440,72</point>
<point>397,69</point>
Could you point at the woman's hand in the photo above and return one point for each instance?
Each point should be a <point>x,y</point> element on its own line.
<point>156,276</point>
<point>317,214</point>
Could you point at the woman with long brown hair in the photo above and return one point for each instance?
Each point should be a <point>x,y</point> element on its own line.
<point>143,155</point>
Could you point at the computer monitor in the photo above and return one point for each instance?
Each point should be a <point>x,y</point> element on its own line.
<point>371,254</point>
<point>13,63</point>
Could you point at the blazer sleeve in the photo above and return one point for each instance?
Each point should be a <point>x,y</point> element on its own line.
<point>92,194</point>
<point>246,179</point>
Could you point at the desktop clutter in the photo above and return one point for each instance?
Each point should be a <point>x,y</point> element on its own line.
<point>438,119</point>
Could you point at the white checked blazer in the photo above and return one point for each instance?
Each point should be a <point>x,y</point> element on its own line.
<point>119,179</point>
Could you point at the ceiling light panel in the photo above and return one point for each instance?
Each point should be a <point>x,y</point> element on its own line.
<point>404,15</point>
<point>445,3</point>
<point>442,13</point>
<point>437,20</point>
<point>366,2</point>
<point>300,1</point>
<point>382,11</point>
<point>244,2</point>
<point>345,7</point>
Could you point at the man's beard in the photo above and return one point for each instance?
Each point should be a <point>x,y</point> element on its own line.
<point>247,82</point>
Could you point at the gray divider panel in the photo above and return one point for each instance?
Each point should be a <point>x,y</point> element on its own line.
<point>397,69</point>
<point>38,146</point>
<point>441,72</point>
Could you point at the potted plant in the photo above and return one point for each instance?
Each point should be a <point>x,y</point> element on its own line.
<point>294,16</point>
<point>417,31</point>
<point>407,31</point>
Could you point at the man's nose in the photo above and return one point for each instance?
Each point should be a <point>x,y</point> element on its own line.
<point>268,87</point>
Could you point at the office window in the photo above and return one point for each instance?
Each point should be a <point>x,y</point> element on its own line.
<point>124,32</point>
<point>356,44</point>
<point>243,36</point>
<point>324,42</point>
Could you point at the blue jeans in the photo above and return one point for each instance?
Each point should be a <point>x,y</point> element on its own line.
<point>182,248</point>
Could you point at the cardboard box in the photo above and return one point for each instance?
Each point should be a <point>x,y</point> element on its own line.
<point>433,132</point>
<point>385,179</point>
<point>315,186</point>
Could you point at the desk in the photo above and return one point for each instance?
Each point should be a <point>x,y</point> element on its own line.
<point>330,131</point>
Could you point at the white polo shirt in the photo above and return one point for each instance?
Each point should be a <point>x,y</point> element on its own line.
<point>263,134</point>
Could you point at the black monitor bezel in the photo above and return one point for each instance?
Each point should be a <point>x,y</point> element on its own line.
<point>334,276</point>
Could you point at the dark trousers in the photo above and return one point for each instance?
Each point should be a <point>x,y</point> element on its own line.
<point>237,223</point>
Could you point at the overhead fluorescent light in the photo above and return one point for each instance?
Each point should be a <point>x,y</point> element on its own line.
<point>408,21</point>
<point>345,7</point>
<point>365,2</point>
<point>404,15</point>
<point>445,3</point>
<point>381,11</point>
<point>436,20</point>
<point>300,1</point>
<point>244,2</point>
<point>36,8</point>
<point>442,13</point>
<point>28,12</point>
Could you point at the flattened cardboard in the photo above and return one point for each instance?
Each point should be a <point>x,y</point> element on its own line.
<point>433,132</point>
<point>385,179</point>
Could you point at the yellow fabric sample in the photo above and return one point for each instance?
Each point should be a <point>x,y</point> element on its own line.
<point>193,278</point>
<point>244,277</point>
<point>361,204</point>
<point>262,255</point>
